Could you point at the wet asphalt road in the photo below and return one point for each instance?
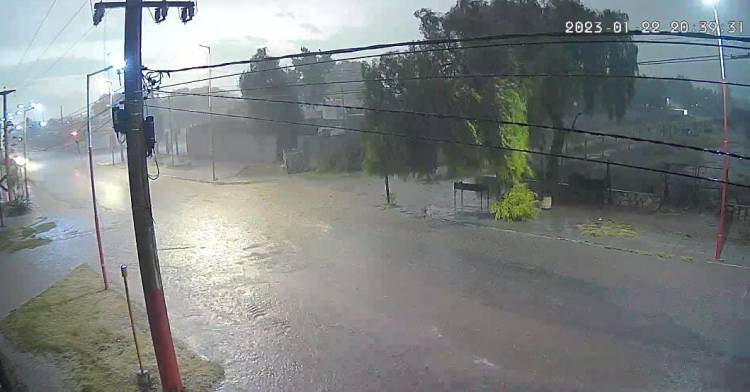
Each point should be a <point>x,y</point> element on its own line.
<point>300,283</point>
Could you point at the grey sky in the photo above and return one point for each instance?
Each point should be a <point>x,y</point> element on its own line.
<point>235,28</point>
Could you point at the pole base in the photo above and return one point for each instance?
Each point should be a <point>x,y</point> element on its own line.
<point>719,246</point>
<point>144,381</point>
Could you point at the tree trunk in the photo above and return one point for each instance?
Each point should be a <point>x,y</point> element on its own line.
<point>553,164</point>
<point>387,191</point>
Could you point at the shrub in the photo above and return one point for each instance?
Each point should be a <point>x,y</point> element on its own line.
<point>518,205</point>
<point>18,207</point>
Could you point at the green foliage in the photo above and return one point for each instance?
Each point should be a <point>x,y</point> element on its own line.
<point>313,69</point>
<point>608,228</point>
<point>18,207</point>
<point>515,164</point>
<point>262,80</point>
<point>349,161</point>
<point>29,237</point>
<point>518,205</point>
<point>543,99</point>
<point>550,100</point>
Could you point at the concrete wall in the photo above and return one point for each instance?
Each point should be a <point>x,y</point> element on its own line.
<point>233,141</point>
<point>331,153</point>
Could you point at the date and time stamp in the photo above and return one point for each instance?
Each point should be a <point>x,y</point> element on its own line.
<point>656,26</point>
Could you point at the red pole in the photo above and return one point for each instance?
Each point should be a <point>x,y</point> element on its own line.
<point>96,222</point>
<point>724,173</point>
<point>93,187</point>
<point>725,143</point>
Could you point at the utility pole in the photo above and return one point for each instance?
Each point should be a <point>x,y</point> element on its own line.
<point>176,133</point>
<point>140,197</point>
<point>720,234</point>
<point>6,158</point>
<point>210,116</point>
<point>172,137</point>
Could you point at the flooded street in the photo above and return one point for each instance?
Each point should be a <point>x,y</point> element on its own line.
<point>307,283</point>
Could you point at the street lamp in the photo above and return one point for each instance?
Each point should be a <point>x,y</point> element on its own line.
<point>23,109</point>
<point>40,109</point>
<point>725,140</point>
<point>91,164</point>
<point>210,115</point>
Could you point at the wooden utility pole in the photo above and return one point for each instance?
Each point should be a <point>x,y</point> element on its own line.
<point>140,197</point>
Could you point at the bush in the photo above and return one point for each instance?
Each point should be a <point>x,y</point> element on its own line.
<point>18,207</point>
<point>518,205</point>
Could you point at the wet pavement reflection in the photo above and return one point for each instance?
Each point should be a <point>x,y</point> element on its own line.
<point>308,284</point>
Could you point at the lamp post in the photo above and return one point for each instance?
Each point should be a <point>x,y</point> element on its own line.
<point>25,109</point>
<point>725,140</point>
<point>91,168</point>
<point>210,116</point>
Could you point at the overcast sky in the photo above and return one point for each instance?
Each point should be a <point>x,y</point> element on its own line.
<point>235,28</point>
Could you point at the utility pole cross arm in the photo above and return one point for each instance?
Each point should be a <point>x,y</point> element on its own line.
<point>188,9</point>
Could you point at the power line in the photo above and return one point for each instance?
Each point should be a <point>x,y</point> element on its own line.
<point>65,27</point>
<point>65,54</point>
<point>647,62</point>
<point>36,33</point>
<point>492,45</point>
<point>479,119</point>
<point>692,59</point>
<point>469,144</point>
<point>83,108</point>
<point>495,37</point>
<point>491,75</point>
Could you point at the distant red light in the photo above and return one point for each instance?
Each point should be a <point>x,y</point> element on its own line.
<point>74,133</point>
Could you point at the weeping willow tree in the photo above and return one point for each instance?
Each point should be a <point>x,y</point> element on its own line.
<point>503,155</point>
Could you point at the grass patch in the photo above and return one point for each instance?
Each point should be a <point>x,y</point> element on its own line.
<point>13,240</point>
<point>86,330</point>
<point>608,228</point>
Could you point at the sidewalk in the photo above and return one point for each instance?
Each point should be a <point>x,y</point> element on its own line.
<point>686,236</point>
<point>227,173</point>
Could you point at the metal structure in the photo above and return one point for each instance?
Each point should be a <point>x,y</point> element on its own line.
<point>97,228</point>
<point>144,380</point>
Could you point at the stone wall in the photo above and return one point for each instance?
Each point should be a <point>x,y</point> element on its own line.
<point>646,201</point>
<point>740,212</point>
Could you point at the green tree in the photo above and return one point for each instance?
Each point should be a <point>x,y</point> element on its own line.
<point>265,79</point>
<point>480,97</point>
<point>552,100</point>
<point>307,71</point>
